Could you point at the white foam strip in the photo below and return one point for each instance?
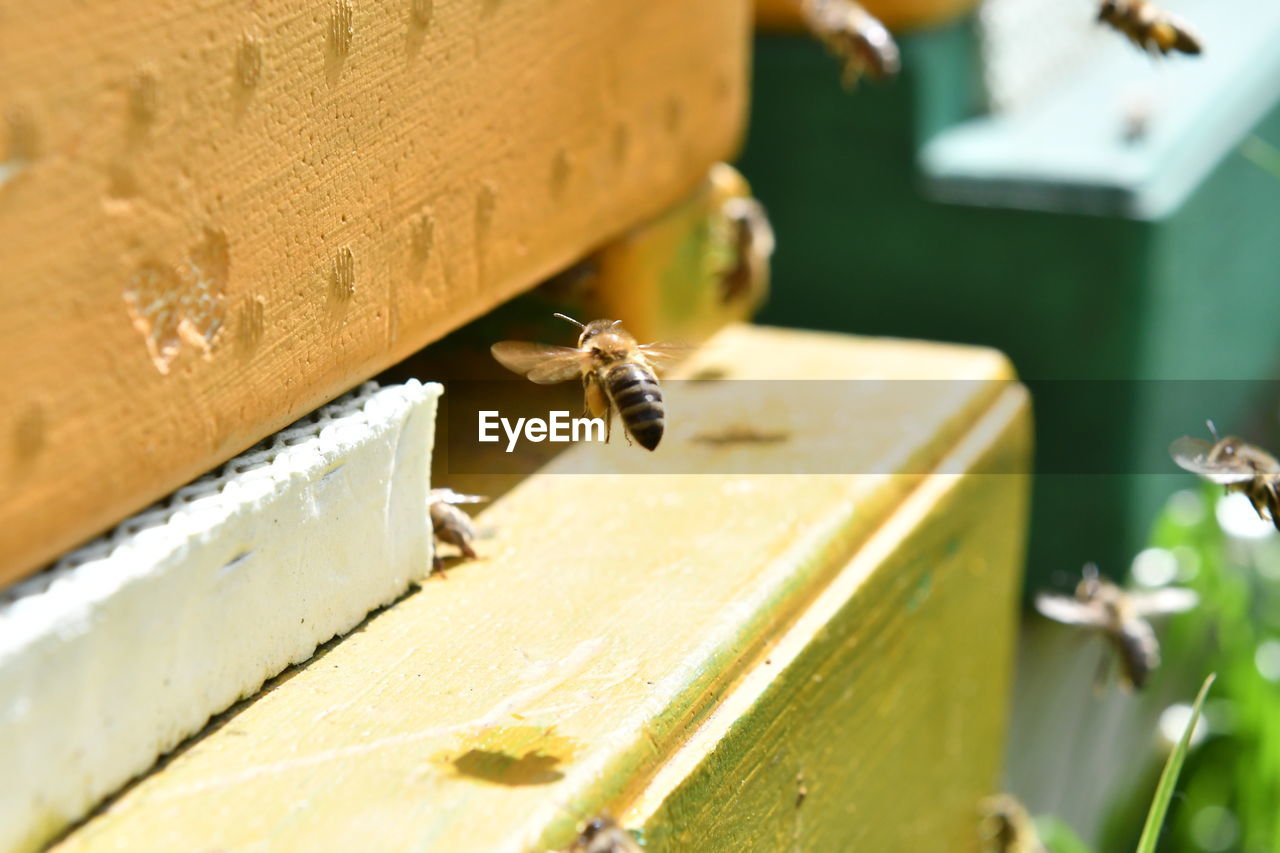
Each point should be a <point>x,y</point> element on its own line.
<point>129,645</point>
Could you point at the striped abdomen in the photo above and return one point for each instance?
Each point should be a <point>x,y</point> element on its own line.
<point>1138,651</point>
<point>633,390</point>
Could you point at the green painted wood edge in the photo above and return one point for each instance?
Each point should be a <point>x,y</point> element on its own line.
<point>1068,151</point>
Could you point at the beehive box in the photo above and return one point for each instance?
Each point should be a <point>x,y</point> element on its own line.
<point>217,217</point>
<point>724,657</point>
<point>1042,231</point>
<point>234,213</point>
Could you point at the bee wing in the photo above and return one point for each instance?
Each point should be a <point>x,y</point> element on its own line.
<point>1192,454</point>
<point>656,354</point>
<point>1065,609</point>
<point>541,363</point>
<point>449,496</point>
<point>1170,599</point>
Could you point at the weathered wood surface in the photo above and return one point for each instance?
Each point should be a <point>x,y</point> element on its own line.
<point>216,216</point>
<point>877,720</point>
<point>669,646</point>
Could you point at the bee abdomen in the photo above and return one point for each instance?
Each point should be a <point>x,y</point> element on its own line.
<point>635,394</point>
<point>1139,652</point>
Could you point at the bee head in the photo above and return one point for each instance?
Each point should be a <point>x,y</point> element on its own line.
<point>1090,585</point>
<point>1226,450</point>
<point>594,329</point>
<point>595,827</point>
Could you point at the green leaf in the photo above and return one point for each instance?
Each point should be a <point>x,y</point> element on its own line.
<point>1169,776</point>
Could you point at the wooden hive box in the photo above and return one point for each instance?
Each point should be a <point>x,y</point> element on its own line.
<point>744,641</point>
<point>725,658</point>
<point>216,217</point>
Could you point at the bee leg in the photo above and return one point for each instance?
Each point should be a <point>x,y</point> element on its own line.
<point>598,404</point>
<point>1103,674</point>
<point>437,567</point>
<point>850,75</point>
<point>586,396</point>
<point>1273,504</point>
<point>1261,505</point>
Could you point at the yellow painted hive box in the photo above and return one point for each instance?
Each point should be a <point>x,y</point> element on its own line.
<point>723,661</point>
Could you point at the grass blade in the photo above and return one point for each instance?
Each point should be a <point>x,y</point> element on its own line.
<point>1169,777</point>
<point>1263,154</point>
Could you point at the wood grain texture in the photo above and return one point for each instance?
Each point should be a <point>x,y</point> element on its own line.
<point>216,216</point>
<point>613,619</point>
<point>896,14</point>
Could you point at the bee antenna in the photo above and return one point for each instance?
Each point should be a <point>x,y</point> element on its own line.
<point>1213,430</point>
<point>570,319</point>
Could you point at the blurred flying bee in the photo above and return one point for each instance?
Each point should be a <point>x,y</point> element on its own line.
<point>1238,466</point>
<point>855,37</point>
<point>450,524</point>
<point>1121,616</point>
<point>1148,26</point>
<point>603,835</point>
<point>617,374</point>
<point>1006,827</point>
<point>752,243</point>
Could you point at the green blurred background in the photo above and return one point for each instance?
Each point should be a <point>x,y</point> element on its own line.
<point>1114,227</point>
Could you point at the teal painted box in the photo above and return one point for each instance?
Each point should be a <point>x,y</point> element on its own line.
<point>1123,249</point>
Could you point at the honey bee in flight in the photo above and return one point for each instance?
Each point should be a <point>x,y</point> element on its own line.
<point>1148,26</point>
<point>1121,616</point>
<point>603,835</point>
<point>1238,466</point>
<point>1006,827</point>
<point>855,36</point>
<point>450,524</point>
<point>617,374</point>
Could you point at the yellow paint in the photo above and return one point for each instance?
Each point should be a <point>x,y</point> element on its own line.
<point>885,705</point>
<point>670,647</point>
<point>663,279</point>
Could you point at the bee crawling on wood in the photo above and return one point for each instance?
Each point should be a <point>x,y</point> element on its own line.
<point>450,524</point>
<point>603,835</point>
<point>1238,466</point>
<point>617,374</point>
<point>855,36</point>
<point>1148,26</point>
<point>1006,827</point>
<point>1121,616</point>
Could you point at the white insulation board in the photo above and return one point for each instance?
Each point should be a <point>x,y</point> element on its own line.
<point>128,646</point>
